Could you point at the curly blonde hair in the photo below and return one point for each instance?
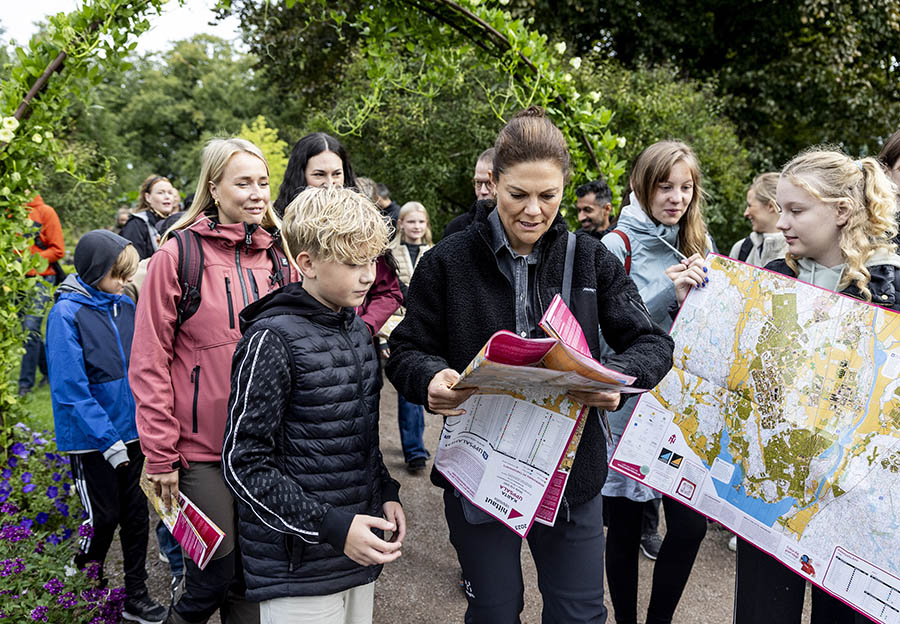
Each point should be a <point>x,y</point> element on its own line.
<point>653,167</point>
<point>334,224</point>
<point>832,177</point>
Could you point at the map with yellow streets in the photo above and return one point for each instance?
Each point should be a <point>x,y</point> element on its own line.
<point>781,420</point>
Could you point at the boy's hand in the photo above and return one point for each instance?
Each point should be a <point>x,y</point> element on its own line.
<point>441,399</point>
<point>393,512</point>
<point>166,486</point>
<point>366,548</point>
<point>600,399</point>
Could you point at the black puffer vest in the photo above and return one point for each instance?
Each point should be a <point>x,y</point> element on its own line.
<point>324,453</point>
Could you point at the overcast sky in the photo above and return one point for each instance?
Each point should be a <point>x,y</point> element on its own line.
<point>174,24</point>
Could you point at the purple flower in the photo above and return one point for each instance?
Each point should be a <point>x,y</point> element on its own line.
<point>42,517</point>
<point>26,523</point>
<point>67,487</point>
<point>26,477</point>
<point>92,571</point>
<point>29,487</point>
<point>86,530</point>
<point>62,508</point>
<point>9,508</point>
<point>67,533</point>
<point>18,449</point>
<point>39,614</point>
<point>56,477</point>
<point>13,462</point>
<point>54,539</point>
<point>39,548</point>
<point>52,491</point>
<point>14,533</point>
<point>6,473</point>
<point>54,586</point>
<point>67,600</point>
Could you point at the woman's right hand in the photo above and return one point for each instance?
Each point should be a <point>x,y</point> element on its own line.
<point>687,274</point>
<point>166,486</point>
<point>442,399</point>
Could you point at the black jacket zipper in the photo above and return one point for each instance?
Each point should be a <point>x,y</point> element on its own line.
<point>195,379</point>
<point>237,262</point>
<point>230,304</point>
<point>362,403</point>
<point>253,285</point>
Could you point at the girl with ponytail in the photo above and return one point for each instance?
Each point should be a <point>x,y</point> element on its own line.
<point>838,219</point>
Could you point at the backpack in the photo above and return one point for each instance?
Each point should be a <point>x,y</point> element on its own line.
<point>190,273</point>
<point>746,248</point>
<point>627,242</point>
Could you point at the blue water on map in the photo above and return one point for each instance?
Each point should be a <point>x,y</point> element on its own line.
<point>734,492</point>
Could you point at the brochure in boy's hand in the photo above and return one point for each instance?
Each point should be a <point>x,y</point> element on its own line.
<point>511,452</point>
<point>198,535</point>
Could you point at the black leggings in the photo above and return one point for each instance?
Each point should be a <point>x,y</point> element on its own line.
<point>685,529</point>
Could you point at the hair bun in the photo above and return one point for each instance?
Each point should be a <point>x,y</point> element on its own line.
<point>531,111</point>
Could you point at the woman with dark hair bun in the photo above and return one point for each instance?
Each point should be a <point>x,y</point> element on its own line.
<point>319,159</point>
<point>501,273</point>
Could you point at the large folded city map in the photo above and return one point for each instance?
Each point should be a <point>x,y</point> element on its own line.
<point>781,420</point>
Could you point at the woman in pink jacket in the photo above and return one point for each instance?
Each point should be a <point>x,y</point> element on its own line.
<point>180,368</point>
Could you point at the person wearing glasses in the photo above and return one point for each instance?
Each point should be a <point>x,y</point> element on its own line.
<point>484,189</point>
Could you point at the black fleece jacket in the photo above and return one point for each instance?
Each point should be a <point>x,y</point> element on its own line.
<point>458,297</point>
<point>301,451</point>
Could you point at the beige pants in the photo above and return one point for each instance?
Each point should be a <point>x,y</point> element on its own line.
<point>352,606</point>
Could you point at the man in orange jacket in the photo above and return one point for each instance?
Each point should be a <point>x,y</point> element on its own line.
<point>48,243</point>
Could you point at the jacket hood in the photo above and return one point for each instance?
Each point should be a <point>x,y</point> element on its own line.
<point>250,235</point>
<point>37,201</point>
<point>74,288</point>
<point>636,219</point>
<point>293,299</point>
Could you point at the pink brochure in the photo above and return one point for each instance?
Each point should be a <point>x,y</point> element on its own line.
<point>559,322</point>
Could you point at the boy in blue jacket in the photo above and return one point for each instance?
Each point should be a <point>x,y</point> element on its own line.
<point>89,333</point>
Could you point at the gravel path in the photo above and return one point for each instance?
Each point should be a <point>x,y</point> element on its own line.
<point>422,586</point>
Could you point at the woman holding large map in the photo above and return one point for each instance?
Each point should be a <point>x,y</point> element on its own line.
<point>838,218</point>
<point>502,273</point>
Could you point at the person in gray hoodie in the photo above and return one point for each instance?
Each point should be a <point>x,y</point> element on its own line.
<point>661,225</point>
<point>766,242</point>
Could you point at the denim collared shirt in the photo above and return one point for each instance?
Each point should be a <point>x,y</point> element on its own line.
<point>521,272</point>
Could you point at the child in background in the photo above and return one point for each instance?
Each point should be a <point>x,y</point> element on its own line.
<point>838,218</point>
<point>301,452</point>
<point>89,333</point>
<point>413,241</point>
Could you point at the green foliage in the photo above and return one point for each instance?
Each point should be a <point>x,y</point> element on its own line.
<point>653,105</point>
<point>89,41</point>
<point>795,73</point>
<point>273,148</point>
<point>39,518</point>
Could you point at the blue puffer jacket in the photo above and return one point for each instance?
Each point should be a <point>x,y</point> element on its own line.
<point>88,345</point>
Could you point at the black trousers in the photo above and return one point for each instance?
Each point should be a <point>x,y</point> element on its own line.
<point>113,498</point>
<point>568,557</point>
<point>767,592</point>
<point>685,529</point>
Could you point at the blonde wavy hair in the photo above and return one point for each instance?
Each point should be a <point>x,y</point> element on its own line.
<point>763,188</point>
<point>334,224</point>
<point>861,186</point>
<point>653,167</point>
<point>407,209</point>
<point>215,158</point>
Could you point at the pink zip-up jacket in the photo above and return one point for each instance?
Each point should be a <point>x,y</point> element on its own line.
<point>181,382</point>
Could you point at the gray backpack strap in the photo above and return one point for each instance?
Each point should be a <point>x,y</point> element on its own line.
<point>151,230</point>
<point>567,270</point>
